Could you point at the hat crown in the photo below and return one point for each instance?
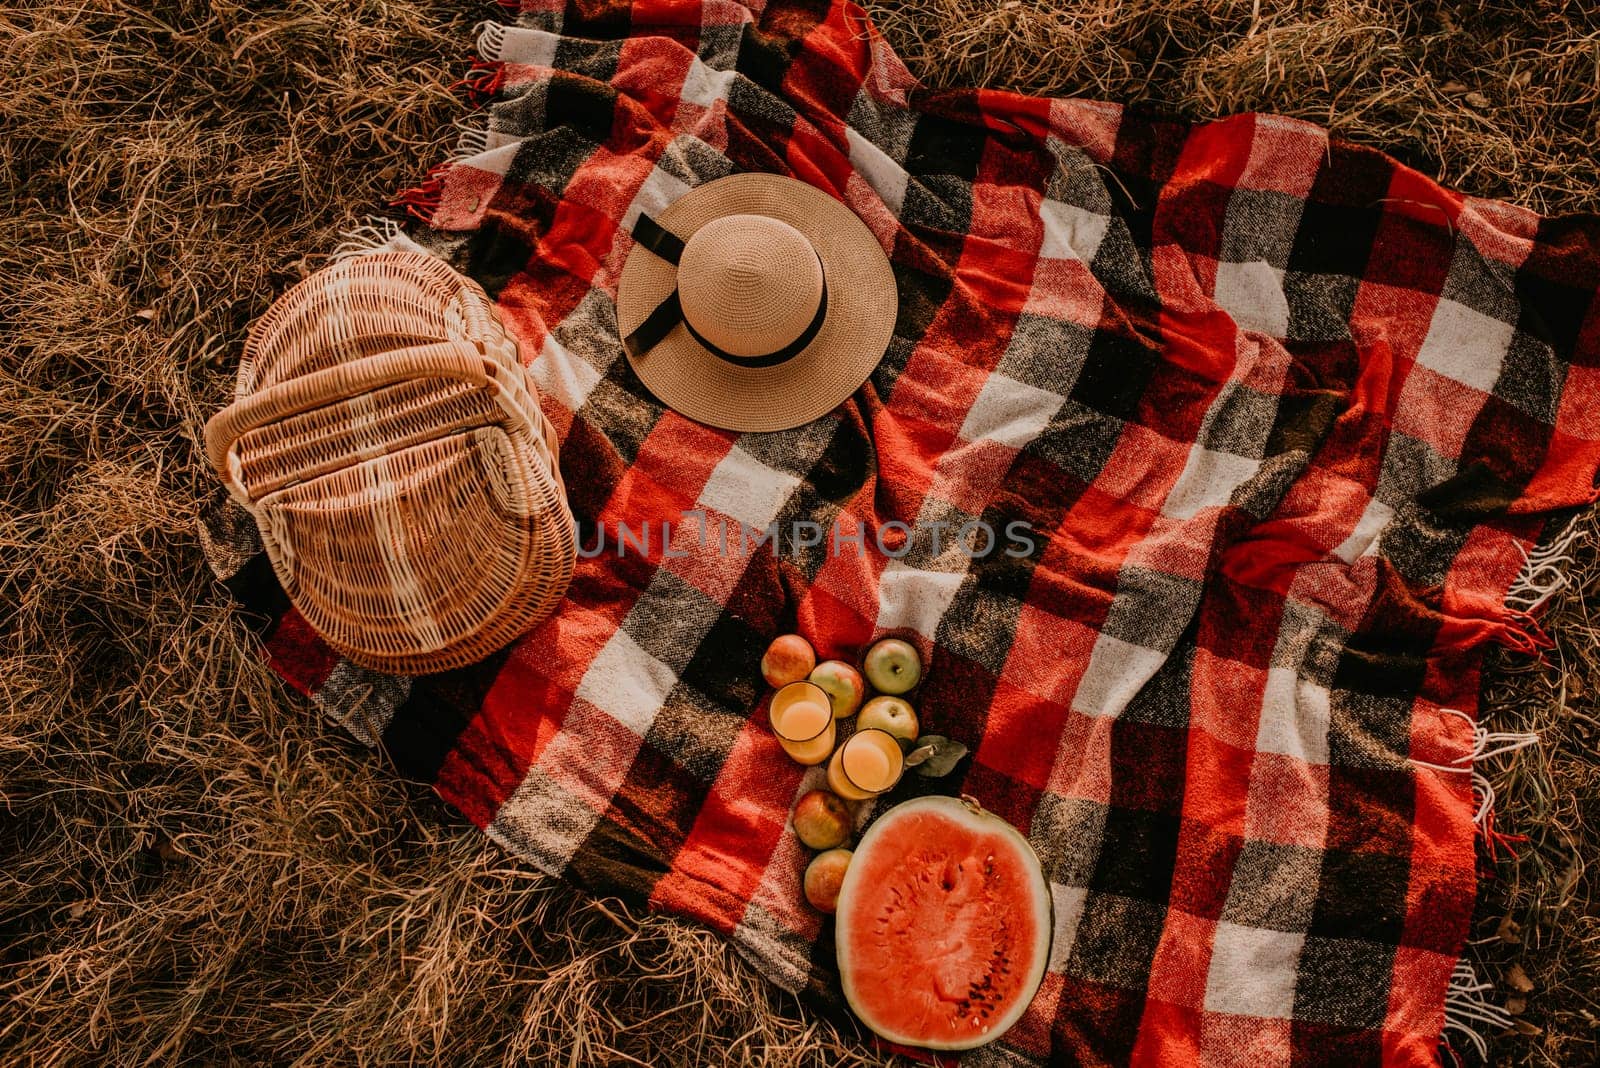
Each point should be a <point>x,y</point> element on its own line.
<point>749,284</point>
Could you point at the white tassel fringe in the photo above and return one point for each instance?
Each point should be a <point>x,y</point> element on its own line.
<point>1485,744</point>
<point>473,141</point>
<point>1467,1008</point>
<point>491,38</point>
<point>1468,1011</point>
<point>375,234</point>
<point>1544,571</point>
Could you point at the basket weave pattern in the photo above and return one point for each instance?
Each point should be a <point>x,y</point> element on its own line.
<point>391,449</point>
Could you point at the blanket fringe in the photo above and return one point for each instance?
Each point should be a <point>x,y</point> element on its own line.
<point>472,141</point>
<point>1544,572</point>
<point>490,39</point>
<point>484,78</point>
<point>374,232</point>
<point>1486,745</point>
<point>421,201</point>
<point>482,81</point>
<point>1468,1010</point>
<point>1542,576</point>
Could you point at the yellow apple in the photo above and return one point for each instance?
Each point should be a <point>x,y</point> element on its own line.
<point>843,685</point>
<point>892,714</point>
<point>824,876</point>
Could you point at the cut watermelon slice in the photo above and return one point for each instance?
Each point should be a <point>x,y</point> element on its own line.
<point>944,925</point>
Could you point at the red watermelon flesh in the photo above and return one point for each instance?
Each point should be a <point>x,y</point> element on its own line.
<point>943,926</point>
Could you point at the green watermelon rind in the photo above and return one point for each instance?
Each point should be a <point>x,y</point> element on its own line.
<point>966,810</point>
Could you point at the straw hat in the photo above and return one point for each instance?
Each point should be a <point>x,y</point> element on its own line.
<point>755,302</point>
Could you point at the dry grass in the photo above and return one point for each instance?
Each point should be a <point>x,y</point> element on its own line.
<point>1501,100</point>
<point>192,868</point>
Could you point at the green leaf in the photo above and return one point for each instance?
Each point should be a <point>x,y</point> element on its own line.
<point>935,755</point>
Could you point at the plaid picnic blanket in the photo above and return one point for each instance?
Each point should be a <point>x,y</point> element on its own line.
<point>1281,415</point>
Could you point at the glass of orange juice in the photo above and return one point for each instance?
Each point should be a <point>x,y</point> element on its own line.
<point>866,765</point>
<point>802,718</point>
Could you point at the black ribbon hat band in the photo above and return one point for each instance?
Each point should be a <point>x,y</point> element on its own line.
<point>669,313</point>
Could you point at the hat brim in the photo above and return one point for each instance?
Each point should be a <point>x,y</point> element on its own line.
<point>862,305</point>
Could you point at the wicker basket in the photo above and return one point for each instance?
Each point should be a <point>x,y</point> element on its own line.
<point>388,443</point>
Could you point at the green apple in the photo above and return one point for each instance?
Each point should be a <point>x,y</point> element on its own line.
<point>892,666</point>
<point>842,683</point>
<point>892,714</point>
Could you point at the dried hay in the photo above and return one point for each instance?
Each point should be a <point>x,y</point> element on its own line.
<point>198,870</point>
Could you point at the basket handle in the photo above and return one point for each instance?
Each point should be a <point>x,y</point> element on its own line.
<point>449,359</point>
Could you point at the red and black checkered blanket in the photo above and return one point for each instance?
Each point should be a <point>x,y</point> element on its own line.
<point>1281,415</point>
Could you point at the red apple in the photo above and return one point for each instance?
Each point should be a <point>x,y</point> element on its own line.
<point>821,820</point>
<point>892,714</point>
<point>892,666</point>
<point>824,876</point>
<point>788,659</point>
<point>843,684</point>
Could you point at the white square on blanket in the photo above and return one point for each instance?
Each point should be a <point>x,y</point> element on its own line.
<point>658,190</point>
<point>1207,481</point>
<point>1253,971</point>
<point>1363,539</point>
<point>518,44</point>
<point>1010,412</point>
<point>912,599</point>
<point>1117,670</point>
<point>1070,232</point>
<point>881,171</point>
<point>563,374</point>
<point>1466,345</point>
<point>743,488</point>
<point>1069,902</point>
<point>705,86</point>
<point>627,683</point>
<point>1295,713</point>
<point>1252,295</point>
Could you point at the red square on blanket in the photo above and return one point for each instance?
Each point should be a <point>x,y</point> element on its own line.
<point>1287,801</point>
